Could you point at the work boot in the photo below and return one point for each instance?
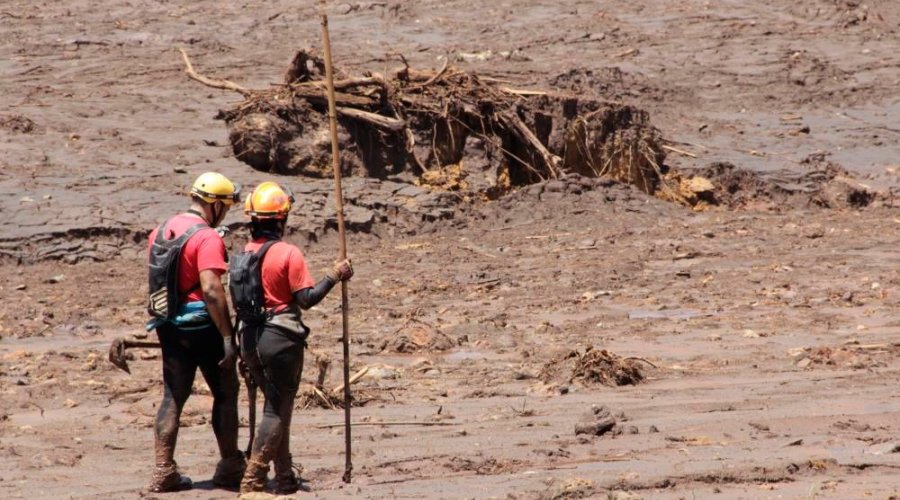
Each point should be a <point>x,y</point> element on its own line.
<point>166,478</point>
<point>229,471</point>
<point>255,477</point>
<point>286,481</point>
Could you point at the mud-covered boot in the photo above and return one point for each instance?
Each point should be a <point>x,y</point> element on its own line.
<point>229,471</point>
<point>255,477</point>
<point>286,481</point>
<point>166,478</point>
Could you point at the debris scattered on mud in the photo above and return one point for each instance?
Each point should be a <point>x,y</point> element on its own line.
<point>415,335</point>
<point>574,487</point>
<point>859,356</point>
<point>594,366</point>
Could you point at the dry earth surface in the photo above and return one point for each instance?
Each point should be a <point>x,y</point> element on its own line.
<point>766,334</point>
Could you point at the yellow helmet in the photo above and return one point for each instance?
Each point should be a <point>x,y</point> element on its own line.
<point>269,201</point>
<point>213,186</point>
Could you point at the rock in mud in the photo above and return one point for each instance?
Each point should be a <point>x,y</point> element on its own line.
<point>598,422</point>
<point>597,428</point>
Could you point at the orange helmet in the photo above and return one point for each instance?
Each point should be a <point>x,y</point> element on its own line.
<point>269,201</point>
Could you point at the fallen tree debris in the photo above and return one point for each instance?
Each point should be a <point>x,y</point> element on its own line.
<point>594,366</point>
<point>418,121</point>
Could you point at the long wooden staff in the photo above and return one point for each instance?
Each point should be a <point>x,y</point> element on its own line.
<point>339,203</point>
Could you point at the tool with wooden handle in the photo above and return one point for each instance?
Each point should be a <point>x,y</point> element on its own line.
<point>119,346</point>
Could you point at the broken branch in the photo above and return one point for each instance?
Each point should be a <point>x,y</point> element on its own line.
<point>209,82</point>
<point>355,378</point>
<point>385,122</point>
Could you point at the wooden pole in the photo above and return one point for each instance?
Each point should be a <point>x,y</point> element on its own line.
<point>339,204</point>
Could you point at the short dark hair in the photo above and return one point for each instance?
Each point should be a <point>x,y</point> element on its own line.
<point>266,227</point>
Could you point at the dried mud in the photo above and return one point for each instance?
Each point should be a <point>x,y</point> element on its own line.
<point>770,318</point>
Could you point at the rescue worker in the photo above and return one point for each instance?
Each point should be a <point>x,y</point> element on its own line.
<point>190,314</point>
<point>272,347</point>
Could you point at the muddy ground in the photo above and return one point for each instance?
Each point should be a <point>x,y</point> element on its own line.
<point>766,334</point>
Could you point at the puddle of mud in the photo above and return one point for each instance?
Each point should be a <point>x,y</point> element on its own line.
<point>465,355</point>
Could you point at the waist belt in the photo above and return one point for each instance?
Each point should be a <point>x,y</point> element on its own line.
<point>190,316</point>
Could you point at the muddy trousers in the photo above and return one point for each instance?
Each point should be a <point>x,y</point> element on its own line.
<point>276,361</point>
<point>182,353</point>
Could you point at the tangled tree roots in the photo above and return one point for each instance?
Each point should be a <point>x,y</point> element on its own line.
<point>423,122</point>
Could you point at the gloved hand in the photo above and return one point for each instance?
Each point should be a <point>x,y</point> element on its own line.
<point>230,354</point>
<point>341,271</point>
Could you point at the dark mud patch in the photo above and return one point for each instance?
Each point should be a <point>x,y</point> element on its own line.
<point>828,186</point>
<point>610,82</point>
<point>19,124</point>
<point>594,366</point>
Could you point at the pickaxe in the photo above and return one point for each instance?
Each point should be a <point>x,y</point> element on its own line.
<point>118,347</point>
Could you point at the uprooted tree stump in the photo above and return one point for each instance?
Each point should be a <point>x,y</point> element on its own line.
<point>424,121</point>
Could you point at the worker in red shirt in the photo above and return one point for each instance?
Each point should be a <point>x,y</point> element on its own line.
<point>270,284</point>
<point>190,314</point>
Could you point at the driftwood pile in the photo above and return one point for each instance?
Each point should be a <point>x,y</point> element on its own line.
<point>444,127</point>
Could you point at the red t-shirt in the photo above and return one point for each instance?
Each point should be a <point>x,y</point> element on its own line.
<point>204,250</point>
<point>284,272</point>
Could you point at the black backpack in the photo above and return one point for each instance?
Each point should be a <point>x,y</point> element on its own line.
<point>165,260</point>
<point>246,287</point>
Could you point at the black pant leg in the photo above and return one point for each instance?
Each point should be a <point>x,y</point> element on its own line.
<point>224,386</point>
<point>277,363</point>
<point>179,368</point>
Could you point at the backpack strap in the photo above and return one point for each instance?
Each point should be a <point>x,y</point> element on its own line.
<point>261,253</point>
<point>263,249</point>
<point>161,233</point>
<point>187,235</point>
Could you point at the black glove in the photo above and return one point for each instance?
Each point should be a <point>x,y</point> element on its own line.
<point>341,271</point>
<point>230,354</point>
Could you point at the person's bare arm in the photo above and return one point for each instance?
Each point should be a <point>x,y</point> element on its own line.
<point>216,302</point>
<point>217,305</point>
